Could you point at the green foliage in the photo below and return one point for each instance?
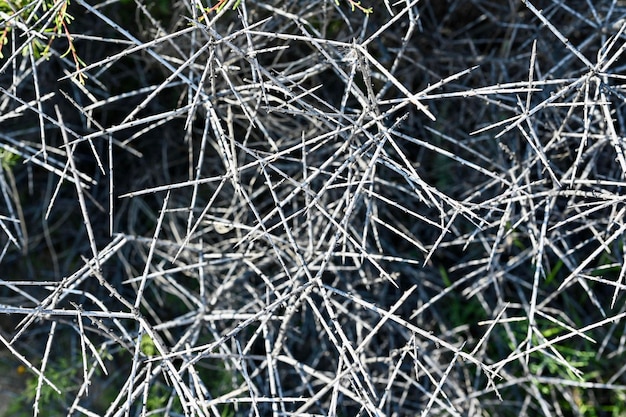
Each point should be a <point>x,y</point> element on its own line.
<point>159,396</point>
<point>460,310</point>
<point>63,373</point>
<point>147,345</point>
<point>8,159</point>
<point>25,13</point>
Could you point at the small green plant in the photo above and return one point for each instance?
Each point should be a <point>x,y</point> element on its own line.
<point>8,159</point>
<point>62,374</point>
<point>22,12</point>
<point>159,396</point>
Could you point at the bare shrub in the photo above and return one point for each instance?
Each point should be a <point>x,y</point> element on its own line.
<point>307,208</point>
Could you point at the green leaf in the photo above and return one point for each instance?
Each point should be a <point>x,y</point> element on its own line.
<point>147,346</point>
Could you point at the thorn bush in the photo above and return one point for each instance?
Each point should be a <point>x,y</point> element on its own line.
<point>325,207</point>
